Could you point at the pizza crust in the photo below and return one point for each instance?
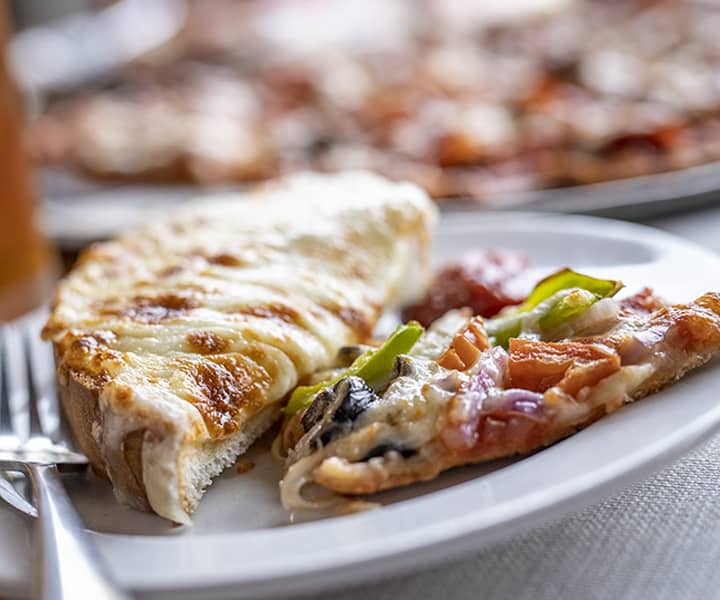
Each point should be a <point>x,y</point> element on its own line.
<point>198,464</point>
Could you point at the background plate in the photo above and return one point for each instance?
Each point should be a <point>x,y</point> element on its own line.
<point>78,211</point>
<point>242,542</point>
<point>632,198</point>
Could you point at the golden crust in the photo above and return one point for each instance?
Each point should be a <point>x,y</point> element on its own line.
<point>79,401</point>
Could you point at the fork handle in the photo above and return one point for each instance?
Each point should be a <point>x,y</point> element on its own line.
<point>67,565</point>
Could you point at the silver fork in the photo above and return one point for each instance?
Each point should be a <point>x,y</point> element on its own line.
<point>11,495</point>
<point>66,563</point>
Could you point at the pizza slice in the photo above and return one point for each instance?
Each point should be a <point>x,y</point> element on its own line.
<point>176,343</point>
<point>471,390</point>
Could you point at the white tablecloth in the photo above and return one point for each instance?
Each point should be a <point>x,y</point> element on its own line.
<point>658,540</point>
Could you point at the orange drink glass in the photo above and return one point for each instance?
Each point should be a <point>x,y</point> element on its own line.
<point>27,263</point>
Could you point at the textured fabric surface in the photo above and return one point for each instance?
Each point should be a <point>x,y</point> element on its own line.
<point>660,540</point>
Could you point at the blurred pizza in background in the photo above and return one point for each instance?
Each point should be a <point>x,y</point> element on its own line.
<point>469,99</point>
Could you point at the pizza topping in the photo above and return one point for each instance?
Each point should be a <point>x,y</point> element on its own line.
<point>436,340</point>
<point>643,302</point>
<point>502,414</point>
<point>434,415</point>
<point>466,347</point>
<point>505,395</point>
<point>347,355</point>
<point>600,317</point>
<point>553,302</point>
<point>573,303</point>
<point>427,382</point>
<point>371,366</point>
<point>538,366</point>
<point>636,348</point>
<point>681,329</point>
<point>482,281</point>
<point>465,407</point>
<point>337,407</point>
<point>568,279</point>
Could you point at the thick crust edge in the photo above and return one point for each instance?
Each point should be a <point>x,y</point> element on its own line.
<point>79,401</point>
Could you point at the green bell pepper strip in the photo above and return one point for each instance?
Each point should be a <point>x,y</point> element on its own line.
<point>577,301</point>
<point>566,279</point>
<point>589,290</point>
<point>370,366</point>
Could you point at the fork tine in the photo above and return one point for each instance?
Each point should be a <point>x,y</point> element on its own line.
<point>44,410</point>
<point>13,497</point>
<point>33,395</point>
<point>5,425</point>
<point>16,381</point>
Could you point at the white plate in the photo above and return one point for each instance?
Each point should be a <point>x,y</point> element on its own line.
<point>243,544</point>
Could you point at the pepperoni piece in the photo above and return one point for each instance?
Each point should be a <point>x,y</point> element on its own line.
<point>480,281</point>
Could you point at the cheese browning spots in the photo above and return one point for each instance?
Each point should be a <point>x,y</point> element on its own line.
<point>224,386</point>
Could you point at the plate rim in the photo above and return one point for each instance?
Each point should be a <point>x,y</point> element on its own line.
<point>641,196</point>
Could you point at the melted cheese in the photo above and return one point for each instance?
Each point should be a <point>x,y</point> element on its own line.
<point>190,327</point>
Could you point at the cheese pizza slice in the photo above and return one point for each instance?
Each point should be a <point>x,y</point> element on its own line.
<point>176,343</point>
<point>469,390</point>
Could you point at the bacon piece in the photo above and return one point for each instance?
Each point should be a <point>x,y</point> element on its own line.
<point>643,302</point>
<point>694,328</point>
<point>674,331</point>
